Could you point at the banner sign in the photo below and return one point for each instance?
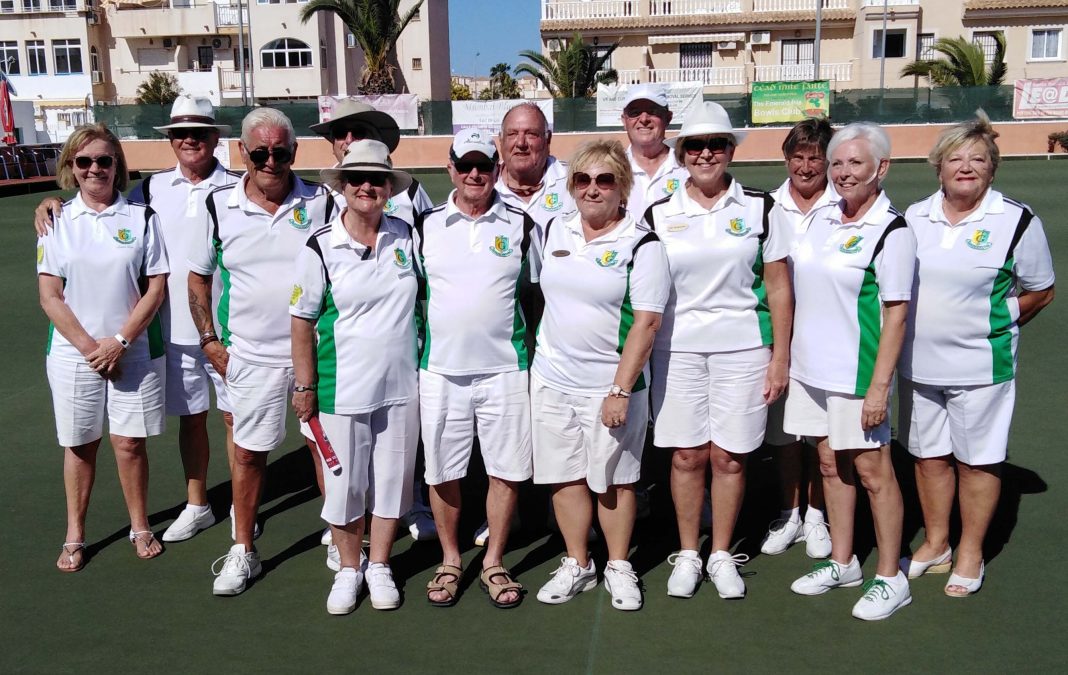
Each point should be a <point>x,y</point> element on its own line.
<point>1039,99</point>
<point>682,98</point>
<point>404,108</point>
<point>488,114</point>
<point>777,102</point>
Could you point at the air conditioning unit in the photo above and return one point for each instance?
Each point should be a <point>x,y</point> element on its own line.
<point>98,77</point>
<point>726,45</point>
<point>760,37</point>
<point>168,43</point>
<point>220,42</point>
<point>92,18</point>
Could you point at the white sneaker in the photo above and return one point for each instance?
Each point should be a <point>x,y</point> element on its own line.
<point>782,534</point>
<point>421,523</point>
<point>723,571</point>
<point>328,537</point>
<point>381,587</point>
<point>238,568</point>
<point>817,539</point>
<point>621,581</point>
<point>568,580</point>
<point>233,527</point>
<point>882,597</point>
<point>333,558</point>
<point>190,521</point>
<point>686,575</point>
<point>347,585</point>
<point>827,575</point>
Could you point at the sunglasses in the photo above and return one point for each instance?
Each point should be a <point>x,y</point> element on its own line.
<point>195,134</point>
<point>484,166</point>
<point>359,132</point>
<point>103,161</point>
<point>358,178</point>
<point>281,155</point>
<point>604,181</point>
<point>695,146</point>
<point>633,113</point>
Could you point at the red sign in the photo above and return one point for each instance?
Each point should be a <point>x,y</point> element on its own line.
<point>7,115</point>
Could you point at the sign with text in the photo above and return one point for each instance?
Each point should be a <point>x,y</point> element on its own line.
<point>1040,99</point>
<point>778,102</point>
<point>682,98</point>
<point>488,114</point>
<point>404,108</point>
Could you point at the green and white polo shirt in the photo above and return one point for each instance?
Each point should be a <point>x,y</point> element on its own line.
<point>551,201</point>
<point>255,253</point>
<point>668,178</point>
<point>962,320</point>
<point>362,301</point>
<point>842,275</point>
<point>103,258</point>
<point>591,292</point>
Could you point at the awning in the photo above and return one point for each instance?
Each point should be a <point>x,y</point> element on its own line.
<point>700,37</point>
<point>44,104</point>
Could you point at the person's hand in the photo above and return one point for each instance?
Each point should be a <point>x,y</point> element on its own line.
<point>876,404</point>
<point>614,411</point>
<point>776,381</point>
<point>43,215</point>
<point>304,404</point>
<point>106,355</point>
<point>217,356</point>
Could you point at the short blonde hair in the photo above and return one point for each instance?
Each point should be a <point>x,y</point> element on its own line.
<point>83,136</point>
<point>610,153</point>
<point>959,135</point>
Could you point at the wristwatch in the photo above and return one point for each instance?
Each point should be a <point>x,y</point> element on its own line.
<point>300,388</point>
<point>618,392</point>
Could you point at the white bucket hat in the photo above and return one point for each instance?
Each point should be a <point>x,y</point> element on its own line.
<point>372,157</point>
<point>348,109</point>
<point>708,118</point>
<point>189,112</point>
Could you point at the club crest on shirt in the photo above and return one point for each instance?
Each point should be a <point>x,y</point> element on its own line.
<point>300,218</point>
<point>980,240</point>
<point>851,245</point>
<point>737,227</point>
<point>294,296</point>
<point>607,259</point>
<point>124,236</point>
<point>501,246</point>
<point>670,185</point>
<point>552,202</point>
<point>40,253</point>
<point>400,259</point>
<point>391,207</point>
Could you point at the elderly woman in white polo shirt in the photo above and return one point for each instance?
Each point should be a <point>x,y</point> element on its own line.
<point>984,269</point>
<point>852,274</point>
<point>605,281</point>
<point>353,323</point>
<point>722,355</point>
<point>102,275</point>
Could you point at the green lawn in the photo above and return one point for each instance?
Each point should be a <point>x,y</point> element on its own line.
<point>121,614</point>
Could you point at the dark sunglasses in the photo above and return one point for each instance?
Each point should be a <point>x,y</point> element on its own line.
<point>484,166</point>
<point>633,113</point>
<point>281,154</point>
<point>359,132</point>
<point>605,181</point>
<point>695,146</point>
<point>103,161</point>
<point>358,178</point>
<point>195,134</point>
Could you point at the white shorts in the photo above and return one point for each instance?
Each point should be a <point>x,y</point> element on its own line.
<point>815,412</point>
<point>571,443</point>
<point>971,423</point>
<point>702,397</point>
<point>376,451</point>
<point>189,375</point>
<point>453,406</point>
<point>81,397</point>
<point>773,433</point>
<point>259,400</point>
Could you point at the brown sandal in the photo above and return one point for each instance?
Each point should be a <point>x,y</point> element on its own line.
<point>496,590</point>
<point>71,549</point>
<point>446,578</point>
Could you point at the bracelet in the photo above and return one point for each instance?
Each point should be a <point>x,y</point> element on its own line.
<point>300,389</point>
<point>207,339</point>
<point>122,341</point>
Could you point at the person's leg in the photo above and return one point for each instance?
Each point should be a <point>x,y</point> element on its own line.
<point>132,461</point>
<point>249,474</point>
<point>349,541</point>
<point>728,489</point>
<point>445,503</point>
<point>574,514</point>
<point>876,471</point>
<point>812,477</point>
<point>231,448</point>
<point>501,500</point>
<point>317,462</point>
<point>79,473</point>
<point>980,489</point>
<point>689,468</point>
<point>840,491</point>
<point>936,484</point>
<point>616,510</point>
<point>194,448</point>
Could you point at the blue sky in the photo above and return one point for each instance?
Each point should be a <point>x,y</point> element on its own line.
<point>483,33</point>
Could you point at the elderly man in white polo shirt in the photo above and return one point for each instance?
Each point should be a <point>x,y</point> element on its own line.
<point>177,197</point>
<point>477,256</point>
<point>531,179</point>
<point>251,235</point>
<point>657,174</point>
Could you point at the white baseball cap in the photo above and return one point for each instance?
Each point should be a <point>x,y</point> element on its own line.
<point>657,93</point>
<point>474,140</point>
<point>707,119</point>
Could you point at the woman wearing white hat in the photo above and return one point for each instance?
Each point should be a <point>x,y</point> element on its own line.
<point>722,354</point>
<point>354,347</point>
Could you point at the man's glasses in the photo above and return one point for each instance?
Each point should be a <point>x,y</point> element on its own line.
<point>715,145</point>
<point>358,178</point>
<point>635,112</point>
<point>604,181</point>
<point>195,134</point>
<point>464,167</point>
<point>359,132</point>
<point>281,155</point>
<point>103,161</point>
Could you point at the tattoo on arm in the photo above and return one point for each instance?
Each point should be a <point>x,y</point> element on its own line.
<point>201,313</point>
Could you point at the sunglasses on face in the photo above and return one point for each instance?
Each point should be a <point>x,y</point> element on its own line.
<point>604,181</point>
<point>695,146</point>
<point>484,166</point>
<point>356,179</point>
<point>103,161</point>
<point>358,133</point>
<point>634,113</point>
<point>281,155</point>
<point>195,134</point>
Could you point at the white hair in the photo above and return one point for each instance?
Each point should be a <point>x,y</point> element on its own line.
<point>267,117</point>
<point>878,140</point>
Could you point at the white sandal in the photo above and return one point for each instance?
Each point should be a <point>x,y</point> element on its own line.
<point>970,586</point>
<point>70,548</point>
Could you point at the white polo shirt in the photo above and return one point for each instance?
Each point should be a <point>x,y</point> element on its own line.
<point>552,200</point>
<point>475,270</point>
<point>103,259</point>
<point>842,274</point>
<point>255,253</point>
<point>406,205</point>
<point>591,292</point>
<point>786,217</point>
<point>718,300</point>
<point>668,178</point>
<point>962,327</point>
<point>362,301</point>
<point>180,207</point>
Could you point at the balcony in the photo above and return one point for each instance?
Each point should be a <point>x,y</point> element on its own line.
<point>800,5</point>
<point>41,6</point>
<point>693,7</point>
<point>172,19</point>
<point>597,9</point>
<point>226,16</point>
<point>230,82</point>
<point>628,77</point>
<point>838,72</point>
<point>709,77</point>
<point>890,3</point>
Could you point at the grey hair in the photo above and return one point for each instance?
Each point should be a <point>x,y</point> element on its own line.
<point>267,117</point>
<point>878,140</point>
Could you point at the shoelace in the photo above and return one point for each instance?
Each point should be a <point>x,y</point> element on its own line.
<point>675,559</point>
<point>818,568</point>
<point>240,562</point>
<point>626,574</point>
<point>876,588</point>
<point>735,560</point>
<point>780,524</point>
<point>571,568</point>
<point>385,573</point>
<point>820,529</point>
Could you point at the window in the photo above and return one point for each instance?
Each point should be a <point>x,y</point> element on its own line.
<point>1045,43</point>
<point>988,42</point>
<point>279,2</point>
<point>417,64</point>
<point>323,60</point>
<point>286,53</point>
<point>62,5</point>
<point>695,55</point>
<point>31,5</point>
<point>7,6</point>
<point>797,52</point>
<point>597,51</point>
<point>71,119</point>
<point>68,55</point>
<point>94,59</point>
<point>35,57</point>
<point>9,57</point>
<point>350,40</point>
<point>895,43</point>
<point>925,47</point>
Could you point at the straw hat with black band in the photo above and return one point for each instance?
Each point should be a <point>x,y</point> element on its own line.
<point>189,112</point>
<point>348,110</point>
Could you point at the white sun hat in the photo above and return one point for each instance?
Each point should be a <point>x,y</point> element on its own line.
<point>371,157</point>
<point>656,93</point>
<point>193,112</point>
<point>708,118</point>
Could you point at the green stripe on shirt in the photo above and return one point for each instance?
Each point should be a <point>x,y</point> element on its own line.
<point>223,311</point>
<point>761,292</point>
<point>519,323</point>
<point>869,321</point>
<point>1000,336</point>
<point>326,366</point>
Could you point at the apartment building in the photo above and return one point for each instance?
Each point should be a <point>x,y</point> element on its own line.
<point>727,44</point>
<point>66,55</point>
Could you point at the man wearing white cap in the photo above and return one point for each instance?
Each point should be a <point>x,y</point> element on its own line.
<point>177,197</point>
<point>657,174</point>
<point>477,256</point>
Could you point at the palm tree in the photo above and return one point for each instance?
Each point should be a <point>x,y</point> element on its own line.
<point>573,72</point>
<point>501,84</point>
<point>963,65</point>
<point>376,25</point>
<point>159,88</point>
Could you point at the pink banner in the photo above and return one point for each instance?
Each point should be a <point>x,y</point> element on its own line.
<point>1040,99</point>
